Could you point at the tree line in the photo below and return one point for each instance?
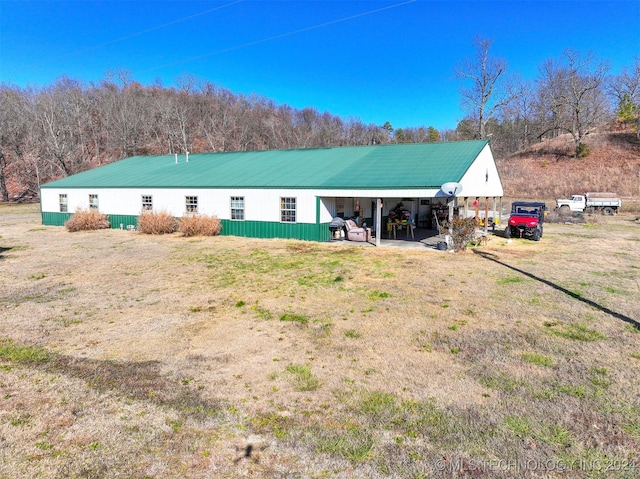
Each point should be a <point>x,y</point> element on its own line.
<point>571,95</point>
<point>70,126</point>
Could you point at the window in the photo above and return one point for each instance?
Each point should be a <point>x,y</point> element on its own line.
<point>147,203</point>
<point>93,202</point>
<point>288,210</point>
<point>237,207</point>
<point>63,204</point>
<point>191,204</point>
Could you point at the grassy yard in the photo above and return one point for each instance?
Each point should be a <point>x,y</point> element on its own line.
<point>127,355</point>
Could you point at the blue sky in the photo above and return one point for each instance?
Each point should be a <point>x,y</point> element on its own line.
<point>374,60</point>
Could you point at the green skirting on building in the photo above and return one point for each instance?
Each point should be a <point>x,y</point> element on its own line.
<point>266,229</point>
<point>249,229</point>
<point>55,219</point>
<point>117,221</point>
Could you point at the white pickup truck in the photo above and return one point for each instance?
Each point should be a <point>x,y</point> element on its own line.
<point>605,203</point>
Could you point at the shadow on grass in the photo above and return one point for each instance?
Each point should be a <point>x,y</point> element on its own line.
<point>496,259</point>
<point>137,380</point>
<point>4,250</point>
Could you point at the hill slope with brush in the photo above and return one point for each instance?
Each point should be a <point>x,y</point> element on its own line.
<point>547,170</point>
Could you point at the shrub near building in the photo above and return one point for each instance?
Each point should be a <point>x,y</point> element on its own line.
<point>199,225</point>
<point>84,220</point>
<point>156,223</point>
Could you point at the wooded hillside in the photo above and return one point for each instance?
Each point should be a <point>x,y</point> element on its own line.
<point>576,129</point>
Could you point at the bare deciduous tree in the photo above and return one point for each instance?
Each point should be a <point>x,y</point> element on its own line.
<point>14,128</point>
<point>489,89</point>
<point>625,88</point>
<point>572,92</point>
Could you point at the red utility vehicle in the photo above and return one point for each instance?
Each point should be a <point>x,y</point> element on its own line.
<point>526,220</point>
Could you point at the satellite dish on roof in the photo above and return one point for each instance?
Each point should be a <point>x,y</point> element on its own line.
<point>451,188</point>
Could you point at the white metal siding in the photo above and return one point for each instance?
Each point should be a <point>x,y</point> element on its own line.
<point>260,205</point>
<point>482,178</point>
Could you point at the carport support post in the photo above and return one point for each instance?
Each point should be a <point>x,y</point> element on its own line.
<point>378,220</point>
<point>486,215</point>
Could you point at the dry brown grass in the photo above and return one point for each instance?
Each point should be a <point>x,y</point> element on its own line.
<point>85,220</point>
<point>130,355</point>
<point>199,225</point>
<point>547,170</point>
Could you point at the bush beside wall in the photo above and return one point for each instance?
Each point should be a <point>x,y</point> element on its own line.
<point>156,223</point>
<point>84,220</point>
<point>199,225</point>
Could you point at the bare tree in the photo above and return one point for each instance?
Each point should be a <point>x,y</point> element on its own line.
<point>126,110</point>
<point>485,88</point>
<point>517,120</point>
<point>14,129</point>
<point>625,88</point>
<point>572,91</point>
<point>58,112</point>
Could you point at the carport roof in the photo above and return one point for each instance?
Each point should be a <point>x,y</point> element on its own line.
<point>423,165</point>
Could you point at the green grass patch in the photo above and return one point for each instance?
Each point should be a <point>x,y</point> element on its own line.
<point>537,359</point>
<point>272,422</point>
<point>612,290</point>
<point>572,390</point>
<point>376,295</point>
<point>352,443</point>
<point>352,334</point>
<point>21,421</point>
<point>633,428</point>
<point>261,312</point>
<point>510,280</point>
<point>294,318</point>
<point>382,410</point>
<point>303,378</point>
<point>579,332</point>
<point>520,426</point>
<point>555,435</point>
<point>599,378</point>
<point>502,382</point>
<point>379,407</point>
<point>19,353</point>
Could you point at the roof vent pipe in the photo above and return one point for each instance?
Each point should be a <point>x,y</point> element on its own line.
<point>176,155</point>
<point>187,155</point>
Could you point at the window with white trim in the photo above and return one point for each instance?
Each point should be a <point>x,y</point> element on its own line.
<point>93,202</point>
<point>64,205</point>
<point>147,202</point>
<point>191,204</point>
<point>288,210</point>
<point>237,207</point>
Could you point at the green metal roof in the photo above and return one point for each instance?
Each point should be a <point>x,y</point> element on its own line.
<point>422,165</point>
